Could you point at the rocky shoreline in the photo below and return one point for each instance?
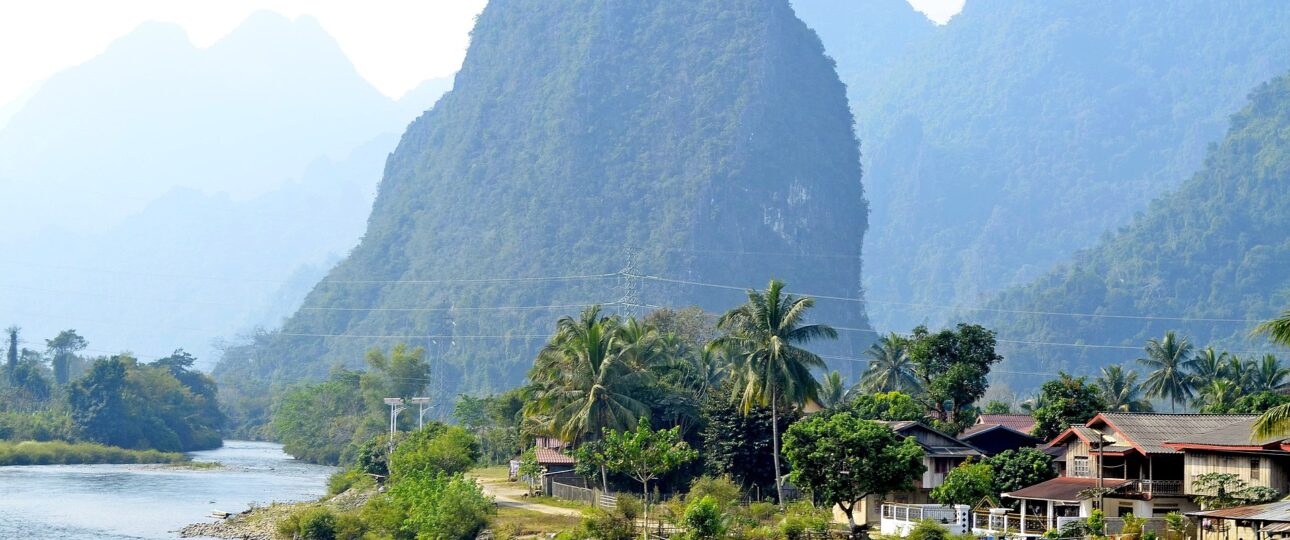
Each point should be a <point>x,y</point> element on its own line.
<point>261,523</point>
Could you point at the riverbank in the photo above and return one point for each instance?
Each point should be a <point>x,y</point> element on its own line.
<point>261,522</point>
<point>64,453</point>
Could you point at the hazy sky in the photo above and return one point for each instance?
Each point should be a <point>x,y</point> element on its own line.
<point>395,44</point>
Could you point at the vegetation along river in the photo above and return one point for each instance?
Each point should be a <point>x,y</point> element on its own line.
<point>149,501</point>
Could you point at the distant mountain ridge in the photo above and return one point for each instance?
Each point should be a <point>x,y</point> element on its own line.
<point>1207,259</point>
<point>1000,143</point>
<point>169,196</point>
<point>592,151</point>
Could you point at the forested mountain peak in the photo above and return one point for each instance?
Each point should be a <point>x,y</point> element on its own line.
<point>1206,259</point>
<point>590,150</point>
<point>1003,141</point>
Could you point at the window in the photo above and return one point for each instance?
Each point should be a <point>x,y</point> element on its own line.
<point>1124,508</point>
<point>1080,467</point>
<point>1254,469</point>
<point>1161,510</point>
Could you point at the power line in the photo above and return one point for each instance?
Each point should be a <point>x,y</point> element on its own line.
<point>457,308</point>
<point>957,307</point>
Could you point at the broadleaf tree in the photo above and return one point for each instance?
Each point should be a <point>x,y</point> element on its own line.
<point>841,458</point>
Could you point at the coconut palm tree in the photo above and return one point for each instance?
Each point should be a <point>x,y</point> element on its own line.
<point>1268,375</point>
<point>1208,365</point>
<point>1218,396</point>
<point>1169,360</point>
<point>890,368</point>
<point>585,378</point>
<point>764,337</point>
<point>1121,391</point>
<point>833,391</point>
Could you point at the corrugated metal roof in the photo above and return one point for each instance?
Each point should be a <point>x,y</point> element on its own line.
<point>1063,488</point>
<point>1234,434</point>
<point>1149,431</point>
<point>979,429</point>
<point>1020,422</point>
<point>1274,511</point>
<point>547,456</point>
<point>907,428</point>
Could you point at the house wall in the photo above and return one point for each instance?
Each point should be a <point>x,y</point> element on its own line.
<point>937,469</point>
<point>1077,448</point>
<point>1157,507</point>
<point>1271,471</point>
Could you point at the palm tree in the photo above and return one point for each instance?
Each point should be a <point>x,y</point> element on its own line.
<point>1170,361</point>
<point>1218,396</point>
<point>1121,391</point>
<point>763,337</point>
<point>1268,375</point>
<point>1276,421</point>
<point>890,368</point>
<point>833,391</point>
<point>1208,365</point>
<point>1239,372</point>
<point>585,378</point>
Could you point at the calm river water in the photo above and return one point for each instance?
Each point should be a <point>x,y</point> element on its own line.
<point>146,501</point>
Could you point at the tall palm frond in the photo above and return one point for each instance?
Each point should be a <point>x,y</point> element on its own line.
<point>1121,391</point>
<point>833,390</point>
<point>1277,330</point>
<point>1170,362</point>
<point>1208,365</point>
<point>1218,396</point>
<point>890,367</point>
<point>1268,375</point>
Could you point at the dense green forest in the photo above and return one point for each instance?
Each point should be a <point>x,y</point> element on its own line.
<point>1207,259</point>
<point>701,141</point>
<point>998,144</point>
<point>60,394</point>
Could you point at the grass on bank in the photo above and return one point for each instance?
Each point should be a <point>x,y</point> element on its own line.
<point>64,453</point>
<point>516,522</point>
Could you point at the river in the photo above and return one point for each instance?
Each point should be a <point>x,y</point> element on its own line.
<point>149,501</point>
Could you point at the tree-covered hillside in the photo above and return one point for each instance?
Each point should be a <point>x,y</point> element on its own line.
<point>705,141</point>
<point>998,144</point>
<point>1207,259</point>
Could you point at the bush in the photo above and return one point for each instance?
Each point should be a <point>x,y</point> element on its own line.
<point>435,449</point>
<point>703,519</point>
<point>309,524</point>
<point>348,479</point>
<point>801,517</point>
<point>724,491</point>
<point>928,530</point>
<point>442,507</point>
<point>63,453</point>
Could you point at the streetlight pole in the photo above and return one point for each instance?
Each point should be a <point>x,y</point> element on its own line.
<point>422,404</point>
<point>396,407</point>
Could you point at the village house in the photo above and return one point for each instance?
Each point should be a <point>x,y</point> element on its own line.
<point>896,512</point>
<point>1123,463</point>
<point>998,433</point>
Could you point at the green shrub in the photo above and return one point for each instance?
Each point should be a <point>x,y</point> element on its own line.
<point>318,524</point>
<point>435,449</point>
<point>350,527</point>
<point>442,507</point>
<point>602,525</point>
<point>64,453</point>
<point>348,479</point>
<point>704,519</point>
<point>724,491</point>
<point>928,530</point>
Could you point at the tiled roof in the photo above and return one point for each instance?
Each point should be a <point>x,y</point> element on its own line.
<point>547,456</point>
<point>1020,422</point>
<point>1149,431</point>
<point>1235,434</point>
<point>1064,488</point>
